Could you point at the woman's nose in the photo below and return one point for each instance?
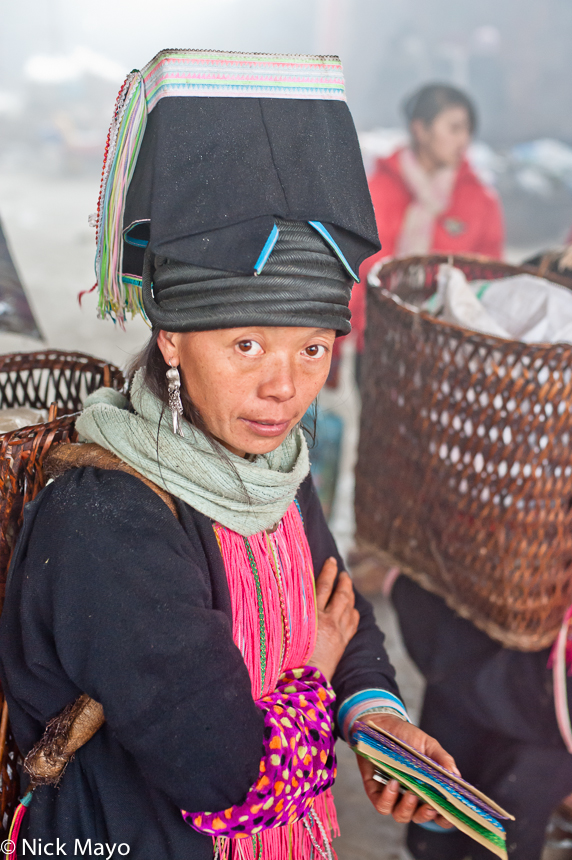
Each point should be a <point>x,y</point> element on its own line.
<point>278,382</point>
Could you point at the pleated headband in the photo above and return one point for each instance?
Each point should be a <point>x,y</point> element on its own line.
<point>303,284</point>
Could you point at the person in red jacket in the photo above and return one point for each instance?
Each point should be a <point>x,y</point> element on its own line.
<point>427,198</point>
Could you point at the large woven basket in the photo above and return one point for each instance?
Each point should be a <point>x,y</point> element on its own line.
<point>465,462</point>
<point>38,380</point>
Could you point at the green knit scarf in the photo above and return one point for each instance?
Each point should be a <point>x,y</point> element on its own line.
<point>247,496</point>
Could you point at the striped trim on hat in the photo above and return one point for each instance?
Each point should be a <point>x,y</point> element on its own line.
<point>223,73</point>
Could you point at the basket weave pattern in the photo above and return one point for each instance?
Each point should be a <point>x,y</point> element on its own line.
<point>37,380</point>
<point>465,466</point>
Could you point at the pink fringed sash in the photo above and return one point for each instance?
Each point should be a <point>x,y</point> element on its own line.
<point>307,838</point>
<point>272,592</point>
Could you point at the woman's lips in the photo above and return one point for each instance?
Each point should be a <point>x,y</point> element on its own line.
<point>264,428</point>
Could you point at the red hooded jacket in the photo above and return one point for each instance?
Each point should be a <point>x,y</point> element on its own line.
<point>472,224</point>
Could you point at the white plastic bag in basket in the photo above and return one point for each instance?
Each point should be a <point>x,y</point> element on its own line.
<point>522,307</point>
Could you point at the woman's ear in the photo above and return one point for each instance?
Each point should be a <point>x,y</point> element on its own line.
<point>167,341</point>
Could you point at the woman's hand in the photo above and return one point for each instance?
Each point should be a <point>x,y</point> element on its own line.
<point>386,798</point>
<point>337,618</point>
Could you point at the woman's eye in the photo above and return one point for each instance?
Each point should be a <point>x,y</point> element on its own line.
<point>316,350</point>
<point>249,347</point>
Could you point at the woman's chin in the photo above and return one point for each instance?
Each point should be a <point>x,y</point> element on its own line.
<point>263,445</point>
<point>251,443</point>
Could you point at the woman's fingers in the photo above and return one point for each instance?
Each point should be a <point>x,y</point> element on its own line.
<point>325,582</point>
<point>424,813</point>
<point>406,808</point>
<point>442,822</point>
<point>434,750</point>
<point>341,607</point>
<point>388,799</point>
<point>343,596</point>
<point>342,601</point>
<point>337,618</point>
<point>385,798</point>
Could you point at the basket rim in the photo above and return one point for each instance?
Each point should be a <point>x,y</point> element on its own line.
<point>508,638</point>
<point>21,435</point>
<point>71,356</point>
<point>398,263</point>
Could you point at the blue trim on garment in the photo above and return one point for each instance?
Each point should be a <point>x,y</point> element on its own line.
<point>267,250</point>
<point>317,225</point>
<point>138,243</point>
<point>383,698</point>
<point>436,828</point>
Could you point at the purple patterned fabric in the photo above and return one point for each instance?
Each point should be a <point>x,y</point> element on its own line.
<point>298,761</point>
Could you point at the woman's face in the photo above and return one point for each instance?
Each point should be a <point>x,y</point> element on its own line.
<point>251,385</point>
<point>445,141</point>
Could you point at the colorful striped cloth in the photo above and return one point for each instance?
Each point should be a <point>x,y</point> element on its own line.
<point>289,813</point>
<point>225,73</point>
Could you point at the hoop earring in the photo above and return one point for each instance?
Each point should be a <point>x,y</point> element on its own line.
<point>175,403</point>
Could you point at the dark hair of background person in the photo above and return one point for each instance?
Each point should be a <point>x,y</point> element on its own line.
<point>431,100</point>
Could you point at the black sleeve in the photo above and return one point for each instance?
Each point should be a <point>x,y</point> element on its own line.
<point>116,602</point>
<point>365,663</point>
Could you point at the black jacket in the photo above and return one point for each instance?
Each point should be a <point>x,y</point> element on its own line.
<point>499,689</point>
<point>111,595</point>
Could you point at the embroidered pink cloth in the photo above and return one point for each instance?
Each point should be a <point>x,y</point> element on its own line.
<point>289,811</point>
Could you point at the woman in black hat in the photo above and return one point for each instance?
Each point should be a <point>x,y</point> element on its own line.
<point>168,573</point>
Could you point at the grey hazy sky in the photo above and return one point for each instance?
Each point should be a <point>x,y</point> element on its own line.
<point>522,79</point>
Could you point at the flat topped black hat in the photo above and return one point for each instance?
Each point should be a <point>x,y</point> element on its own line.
<point>211,155</point>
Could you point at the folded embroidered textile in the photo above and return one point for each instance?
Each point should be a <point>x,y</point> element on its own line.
<point>298,763</point>
<point>460,803</point>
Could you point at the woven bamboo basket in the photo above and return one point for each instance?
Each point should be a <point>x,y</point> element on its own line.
<point>464,476</point>
<point>38,379</point>
<point>57,380</point>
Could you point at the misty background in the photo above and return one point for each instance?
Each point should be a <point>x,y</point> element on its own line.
<point>62,63</point>
<point>514,56</point>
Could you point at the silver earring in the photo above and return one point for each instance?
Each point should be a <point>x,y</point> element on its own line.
<point>175,405</point>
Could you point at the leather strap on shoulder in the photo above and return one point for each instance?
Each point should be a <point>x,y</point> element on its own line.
<point>73,455</point>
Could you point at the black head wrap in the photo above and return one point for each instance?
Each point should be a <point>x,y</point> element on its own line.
<point>302,284</point>
<point>208,152</point>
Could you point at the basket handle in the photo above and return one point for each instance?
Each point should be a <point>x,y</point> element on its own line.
<point>3,728</point>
